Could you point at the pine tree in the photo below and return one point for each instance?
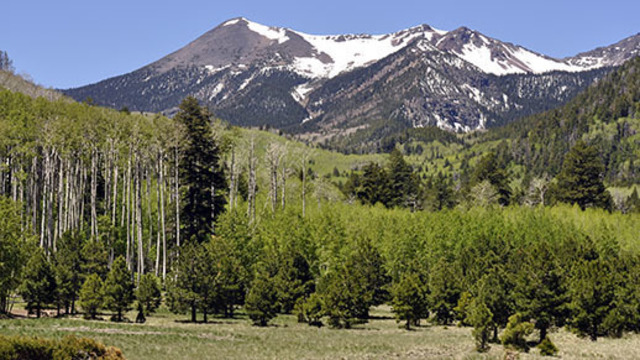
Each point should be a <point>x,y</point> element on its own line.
<point>91,297</point>
<point>262,301</point>
<point>488,169</point>
<point>95,259</point>
<point>184,293</point>
<point>516,332</point>
<point>444,292</point>
<point>580,180</point>
<point>201,173</point>
<point>39,282</point>
<point>118,288</point>
<point>540,290</point>
<point>404,184</point>
<point>409,300</point>
<point>68,269</point>
<point>12,250</point>
<point>592,297</point>
<point>480,317</point>
<point>148,293</point>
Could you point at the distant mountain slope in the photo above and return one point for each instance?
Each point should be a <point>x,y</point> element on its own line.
<point>607,115</point>
<point>460,80</point>
<point>17,83</point>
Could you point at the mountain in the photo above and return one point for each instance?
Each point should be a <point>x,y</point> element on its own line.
<point>461,80</point>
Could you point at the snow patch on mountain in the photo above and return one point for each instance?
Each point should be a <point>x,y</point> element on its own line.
<point>348,52</point>
<point>273,33</point>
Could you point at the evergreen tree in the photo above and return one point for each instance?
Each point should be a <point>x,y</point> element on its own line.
<point>148,293</point>
<point>480,317</point>
<point>592,297</point>
<point>91,297</point>
<point>262,301</point>
<point>374,186</point>
<point>445,291</point>
<point>39,282</point>
<point>494,290</point>
<point>201,173</point>
<point>540,289</point>
<point>440,194</point>
<point>313,310</point>
<point>12,250</point>
<point>404,184</point>
<point>118,289</point>
<point>409,300</point>
<point>68,269</point>
<point>515,335</point>
<point>293,279</point>
<point>488,169</point>
<point>184,288</point>
<point>229,275</point>
<point>580,180</point>
<point>95,259</point>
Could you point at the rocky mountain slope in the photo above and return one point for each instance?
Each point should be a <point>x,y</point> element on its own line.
<point>460,80</point>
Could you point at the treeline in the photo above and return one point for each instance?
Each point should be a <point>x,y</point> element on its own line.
<point>397,184</point>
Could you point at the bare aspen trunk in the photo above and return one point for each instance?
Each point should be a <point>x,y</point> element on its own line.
<point>149,212</point>
<point>162,224</point>
<point>232,179</point>
<point>177,197</point>
<point>251,197</point>
<point>94,193</point>
<point>45,198</point>
<point>83,180</point>
<point>127,210</point>
<point>138,219</point>
<point>114,196</point>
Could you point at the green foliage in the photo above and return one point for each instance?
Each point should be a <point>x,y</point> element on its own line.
<point>226,274</point>
<point>541,290</point>
<point>148,293</point>
<point>68,270</point>
<point>91,296</point>
<point>183,288</point>
<point>580,180</point>
<point>490,170</point>
<point>39,283</point>
<point>515,335</point>
<point>262,301</point>
<point>69,347</point>
<point>201,172</point>
<point>12,250</point>
<point>313,310</point>
<point>94,259</point>
<point>480,317</point>
<point>409,300</point>
<point>118,289</point>
<point>592,292</point>
<point>444,288</point>
<point>462,310</point>
<point>547,348</point>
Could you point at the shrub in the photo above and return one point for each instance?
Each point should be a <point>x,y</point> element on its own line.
<point>547,348</point>
<point>516,332</point>
<point>70,347</point>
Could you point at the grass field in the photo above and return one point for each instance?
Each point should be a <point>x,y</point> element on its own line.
<point>166,336</point>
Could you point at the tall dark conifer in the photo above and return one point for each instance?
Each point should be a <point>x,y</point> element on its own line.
<point>202,175</point>
<point>580,180</point>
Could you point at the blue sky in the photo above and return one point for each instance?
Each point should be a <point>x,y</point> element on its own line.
<point>72,43</point>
